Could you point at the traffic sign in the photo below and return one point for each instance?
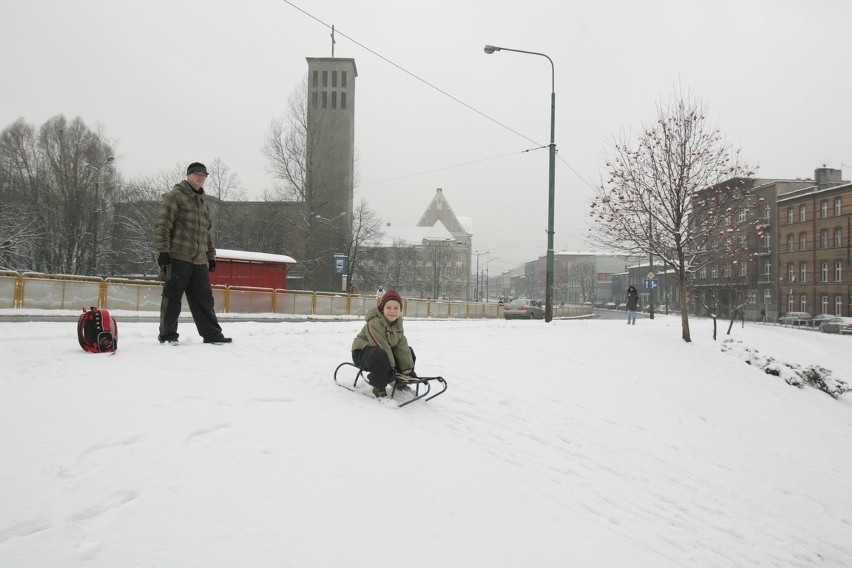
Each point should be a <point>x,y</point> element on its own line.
<point>651,284</point>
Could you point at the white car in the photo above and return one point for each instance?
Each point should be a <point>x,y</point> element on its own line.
<point>794,318</point>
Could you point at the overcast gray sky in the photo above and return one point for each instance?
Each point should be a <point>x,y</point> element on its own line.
<point>174,81</point>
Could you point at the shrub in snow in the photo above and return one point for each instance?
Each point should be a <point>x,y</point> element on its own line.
<point>792,373</point>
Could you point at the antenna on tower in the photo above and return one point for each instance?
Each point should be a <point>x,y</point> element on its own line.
<point>332,41</point>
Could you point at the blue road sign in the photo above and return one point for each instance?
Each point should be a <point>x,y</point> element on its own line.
<point>651,284</point>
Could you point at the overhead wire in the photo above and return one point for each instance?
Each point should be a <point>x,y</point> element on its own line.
<point>443,92</point>
<point>407,72</point>
<point>424,172</point>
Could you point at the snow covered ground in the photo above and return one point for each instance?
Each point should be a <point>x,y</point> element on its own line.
<point>576,443</point>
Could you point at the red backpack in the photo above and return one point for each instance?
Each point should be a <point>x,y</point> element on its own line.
<point>97,331</point>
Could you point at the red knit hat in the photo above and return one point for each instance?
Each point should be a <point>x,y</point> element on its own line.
<point>389,295</point>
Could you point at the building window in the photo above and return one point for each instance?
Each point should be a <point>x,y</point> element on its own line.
<point>334,99</point>
<point>790,303</point>
<point>823,239</point>
<point>803,214</point>
<point>334,78</point>
<point>823,304</point>
<point>837,207</point>
<point>343,79</point>
<point>714,271</point>
<point>803,303</point>
<point>838,237</point>
<point>741,215</point>
<point>823,272</point>
<point>803,241</point>
<point>791,272</point>
<point>823,209</point>
<point>702,272</point>
<point>316,78</point>
<point>343,99</point>
<point>728,271</point>
<point>838,271</point>
<point>766,211</point>
<point>789,215</point>
<point>314,99</point>
<point>838,305</point>
<point>803,272</point>
<point>752,296</point>
<point>790,239</point>
<point>325,99</point>
<point>743,269</point>
<point>767,268</point>
<point>767,295</point>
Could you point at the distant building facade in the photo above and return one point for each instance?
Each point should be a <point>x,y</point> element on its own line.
<point>814,224</point>
<point>429,260</point>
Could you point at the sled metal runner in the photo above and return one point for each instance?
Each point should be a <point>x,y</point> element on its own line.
<point>414,383</point>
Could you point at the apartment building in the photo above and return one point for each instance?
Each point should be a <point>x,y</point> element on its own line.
<point>814,257</point>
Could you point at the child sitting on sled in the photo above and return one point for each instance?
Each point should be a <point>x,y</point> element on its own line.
<point>381,348</point>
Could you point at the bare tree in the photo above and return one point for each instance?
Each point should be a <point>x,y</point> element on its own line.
<point>16,236</point>
<point>668,193</point>
<point>223,185</point>
<point>286,149</point>
<point>137,205</point>
<point>366,228</point>
<point>581,274</point>
<point>291,150</point>
<point>46,175</point>
<point>398,268</point>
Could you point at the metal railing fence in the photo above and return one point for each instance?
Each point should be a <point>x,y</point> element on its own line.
<point>31,290</point>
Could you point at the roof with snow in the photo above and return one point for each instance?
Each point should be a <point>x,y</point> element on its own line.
<point>250,256</point>
<point>395,235</point>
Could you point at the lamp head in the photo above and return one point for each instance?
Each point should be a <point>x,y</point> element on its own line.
<point>489,49</point>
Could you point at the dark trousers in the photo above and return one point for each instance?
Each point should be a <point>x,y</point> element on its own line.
<point>194,280</point>
<point>374,360</point>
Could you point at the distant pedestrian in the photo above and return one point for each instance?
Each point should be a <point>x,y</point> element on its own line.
<point>763,316</point>
<point>184,241</point>
<point>632,305</point>
<point>380,292</point>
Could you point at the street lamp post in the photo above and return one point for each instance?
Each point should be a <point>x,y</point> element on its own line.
<point>478,293</point>
<point>487,279</point>
<point>97,205</point>
<point>548,290</point>
<point>330,247</point>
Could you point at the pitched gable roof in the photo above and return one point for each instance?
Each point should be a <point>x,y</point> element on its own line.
<point>439,210</point>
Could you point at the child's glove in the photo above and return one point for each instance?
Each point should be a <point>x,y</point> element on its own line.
<point>410,373</point>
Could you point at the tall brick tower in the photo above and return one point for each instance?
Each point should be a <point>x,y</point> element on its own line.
<point>330,159</point>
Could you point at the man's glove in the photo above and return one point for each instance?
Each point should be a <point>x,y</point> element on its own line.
<point>163,259</point>
<point>211,265</point>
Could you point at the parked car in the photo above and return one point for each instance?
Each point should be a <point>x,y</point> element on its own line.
<point>834,324</point>
<point>817,320</point>
<point>622,307</point>
<point>794,318</point>
<point>523,308</point>
<point>609,306</point>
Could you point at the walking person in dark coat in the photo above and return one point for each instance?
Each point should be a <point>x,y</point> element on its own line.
<point>632,305</point>
<point>184,242</point>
